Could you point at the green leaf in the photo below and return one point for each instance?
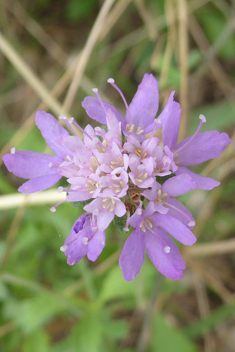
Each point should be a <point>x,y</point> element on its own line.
<point>5,186</point>
<point>162,179</point>
<point>116,329</point>
<point>120,223</point>
<point>214,23</point>
<point>77,10</point>
<point>166,338</point>
<point>38,341</point>
<point>86,335</point>
<point>4,293</point>
<point>115,286</point>
<point>81,204</point>
<point>33,313</point>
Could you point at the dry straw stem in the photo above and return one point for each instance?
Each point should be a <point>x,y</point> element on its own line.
<point>113,16</point>
<point>204,309</point>
<point>220,247</point>
<point>213,50</point>
<point>210,279</point>
<point>170,20</point>
<point>147,19</point>
<point>209,204</point>
<point>37,31</point>
<point>183,58</point>
<point>18,199</point>
<point>215,67</point>
<point>10,238</point>
<point>86,52</point>
<point>57,90</point>
<point>30,76</point>
<point>29,123</point>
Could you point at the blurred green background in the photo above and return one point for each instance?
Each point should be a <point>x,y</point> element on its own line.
<point>51,56</point>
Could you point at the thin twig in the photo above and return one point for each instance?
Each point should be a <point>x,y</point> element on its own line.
<point>215,67</point>
<point>30,76</point>
<point>17,199</point>
<point>183,56</point>
<point>11,235</point>
<point>86,52</point>
<point>204,310</point>
<point>37,31</point>
<point>214,248</point>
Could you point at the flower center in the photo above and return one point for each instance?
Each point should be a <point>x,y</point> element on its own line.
<point>91,186</point>
<point>134,129</point>
<point>146,224</point>
<point>160,196</point>
<point>108,204</point>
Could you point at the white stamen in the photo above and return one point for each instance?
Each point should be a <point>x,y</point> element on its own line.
<point>95,90</point>
<point>62,117</point>
<point>13,150</point>
<point>85,240</point>
<point>50,164</point>
<point>60,189</point>
<point>191,223</point>
<point>53,209</point>
<point>71,119</point>
<point>167,249</point>
<point>202,118</point>
<point>110,80</point>
<point>64,248</point>
<point>96,212</point>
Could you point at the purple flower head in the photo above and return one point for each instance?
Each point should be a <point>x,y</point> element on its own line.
<point>123,172</point>
<point>83,240</point>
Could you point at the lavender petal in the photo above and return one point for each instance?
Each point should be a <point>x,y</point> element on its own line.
<point>169,264</point>
<point>132,256</point>
<point>52,132</point>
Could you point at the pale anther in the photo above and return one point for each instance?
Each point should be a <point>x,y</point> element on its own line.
<point>60,189</point>
<point>110,80</point>
<point>95,90</point>
<point>202,118</point>
<point>62,117</point>
<point>64,248</point>
<point>191,223</point>
<point>139,130</point>
<point>13,150</point>
<point>167,249</point>
<point>85,240</point>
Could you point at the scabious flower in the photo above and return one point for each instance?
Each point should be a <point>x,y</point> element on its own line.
<point>124,173</point>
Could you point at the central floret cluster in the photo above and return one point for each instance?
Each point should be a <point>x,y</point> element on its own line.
<point>123,172</point>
